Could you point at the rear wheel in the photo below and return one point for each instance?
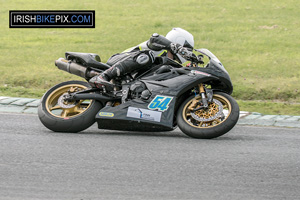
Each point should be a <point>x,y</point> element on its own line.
<point>60,115</point>
<point>221,116</point>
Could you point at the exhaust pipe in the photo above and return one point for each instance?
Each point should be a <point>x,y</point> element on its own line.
<point>71,67</point>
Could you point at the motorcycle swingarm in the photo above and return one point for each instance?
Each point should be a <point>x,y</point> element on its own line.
<point>90,94</point>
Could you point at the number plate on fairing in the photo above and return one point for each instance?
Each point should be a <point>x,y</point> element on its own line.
<point>160,103</point>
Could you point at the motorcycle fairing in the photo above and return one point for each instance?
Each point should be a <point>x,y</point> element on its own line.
<point>178,85</point>
<point>134,115</point>
<point>164,93</point>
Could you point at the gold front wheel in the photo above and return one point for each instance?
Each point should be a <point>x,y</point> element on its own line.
<point>217,119</point>
<point>216,113</point>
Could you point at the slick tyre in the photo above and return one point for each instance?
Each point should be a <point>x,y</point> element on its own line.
<point>220,117</point>
<point>59,115</point>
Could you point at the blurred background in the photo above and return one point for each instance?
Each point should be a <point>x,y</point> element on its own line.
<point>257,42</point>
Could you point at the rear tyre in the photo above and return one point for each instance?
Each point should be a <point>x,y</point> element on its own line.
<point>220,117</point>
<point>63,116</point>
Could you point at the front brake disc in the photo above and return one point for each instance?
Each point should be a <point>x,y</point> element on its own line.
<point>214,111</point>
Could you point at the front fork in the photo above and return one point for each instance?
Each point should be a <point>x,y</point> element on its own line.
<point>203,96</point>
<point>206,97</point>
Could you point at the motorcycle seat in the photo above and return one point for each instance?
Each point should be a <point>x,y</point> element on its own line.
<point>87,59</point>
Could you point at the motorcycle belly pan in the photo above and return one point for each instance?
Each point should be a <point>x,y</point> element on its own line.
<point>136,116</point>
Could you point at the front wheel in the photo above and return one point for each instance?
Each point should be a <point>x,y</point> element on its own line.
<point>220,117</point>
<point>60,115</point>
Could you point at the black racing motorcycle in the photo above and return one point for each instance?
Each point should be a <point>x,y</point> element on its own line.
<point>194,98</point>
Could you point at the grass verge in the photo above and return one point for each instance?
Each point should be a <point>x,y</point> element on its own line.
<point>270,108</point>
<point>257,42</point>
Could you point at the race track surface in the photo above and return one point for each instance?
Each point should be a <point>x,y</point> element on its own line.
<point>247,163</point>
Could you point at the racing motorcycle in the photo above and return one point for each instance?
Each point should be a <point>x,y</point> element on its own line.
<point>196,98</point>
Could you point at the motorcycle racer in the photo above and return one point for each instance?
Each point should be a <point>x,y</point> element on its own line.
<point>175,45</point>
<point>150,92</point>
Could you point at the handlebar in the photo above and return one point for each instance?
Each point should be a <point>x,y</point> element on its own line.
<point>186,53</point>
<point>189,55</point>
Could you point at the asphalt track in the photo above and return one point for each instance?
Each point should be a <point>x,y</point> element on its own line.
<point>247,163</point>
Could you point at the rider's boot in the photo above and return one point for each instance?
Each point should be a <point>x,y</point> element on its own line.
<point>104,79</point>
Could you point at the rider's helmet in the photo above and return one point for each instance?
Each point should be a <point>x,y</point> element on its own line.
<point>182,37</point>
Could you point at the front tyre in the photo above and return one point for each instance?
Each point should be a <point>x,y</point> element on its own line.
<point>220,117</point>
<point>64,116</point>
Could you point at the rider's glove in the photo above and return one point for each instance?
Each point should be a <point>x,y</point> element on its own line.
<point>175,48</point>
<point>182,51</point>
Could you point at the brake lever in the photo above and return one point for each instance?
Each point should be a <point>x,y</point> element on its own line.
<point>197,59</point>
<point>200,59</point>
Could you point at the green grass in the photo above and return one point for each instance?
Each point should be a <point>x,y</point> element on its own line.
<point>271,108</point>
<point>257,41</point>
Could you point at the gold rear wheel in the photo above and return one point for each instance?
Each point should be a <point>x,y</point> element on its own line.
<point>57,106</point>
<point>61,115</point>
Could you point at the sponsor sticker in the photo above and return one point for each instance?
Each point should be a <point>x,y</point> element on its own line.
<point>106,114</point>
<point>198,72</point>
<point>145,114</point>
<point>160,103</point>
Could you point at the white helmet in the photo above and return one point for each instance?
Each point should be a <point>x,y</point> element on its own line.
<point>182,37</point>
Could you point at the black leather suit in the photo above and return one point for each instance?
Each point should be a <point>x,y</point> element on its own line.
<point>136,59</point>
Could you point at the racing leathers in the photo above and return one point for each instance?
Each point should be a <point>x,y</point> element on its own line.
<point>134,59</point>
